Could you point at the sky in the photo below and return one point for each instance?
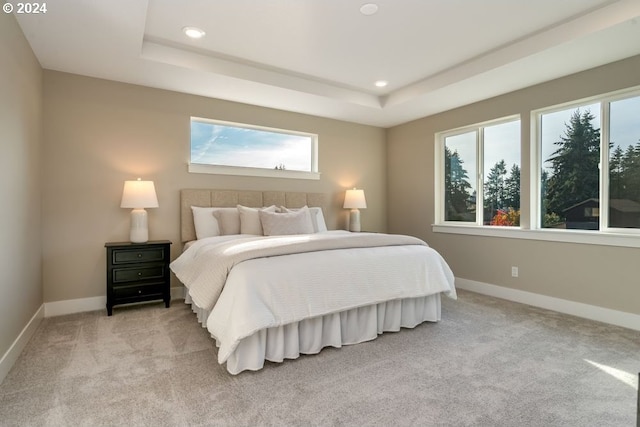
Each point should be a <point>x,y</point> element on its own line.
<point>501,142</point>
<point>625,122</point>
<point>236,146</point>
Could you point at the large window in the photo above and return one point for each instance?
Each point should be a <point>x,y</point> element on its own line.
<point>583,180</point>
<point>480,178</point>
<point>239,149</point>
<point>590,166</point>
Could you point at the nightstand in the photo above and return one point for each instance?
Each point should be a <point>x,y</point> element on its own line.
<point>137,272</point>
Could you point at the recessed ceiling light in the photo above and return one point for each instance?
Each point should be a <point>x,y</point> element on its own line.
<point>381,83</point>
<point>369,9</point>
<point>193,32</point>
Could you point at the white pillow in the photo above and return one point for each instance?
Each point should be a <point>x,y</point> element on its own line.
<point>228,220</point>
<point>278,224</point>
<point>317,218</point>
<point>250,219</point>
<point>205,223</point>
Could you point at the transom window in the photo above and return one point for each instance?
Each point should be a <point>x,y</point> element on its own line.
<point>240,149</point>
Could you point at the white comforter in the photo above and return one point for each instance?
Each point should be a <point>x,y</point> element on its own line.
<point>247,294</point>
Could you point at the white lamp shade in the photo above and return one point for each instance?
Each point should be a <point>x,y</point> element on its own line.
<point>139,194</point>
<point>354,199</point>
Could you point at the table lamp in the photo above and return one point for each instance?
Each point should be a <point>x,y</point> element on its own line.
<point>354,200</point>
<point>138,195</point>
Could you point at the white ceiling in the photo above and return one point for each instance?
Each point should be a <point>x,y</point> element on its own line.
<point>322,57</point>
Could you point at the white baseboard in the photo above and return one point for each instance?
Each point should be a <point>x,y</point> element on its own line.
<point>10,357</point>
<point>79,305</point>
<point>592,312</point>
<point>59,308</point>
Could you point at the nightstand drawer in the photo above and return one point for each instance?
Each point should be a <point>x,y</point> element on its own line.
<point>121,275</point>
<point>120,292</point>
<point>125,256</point>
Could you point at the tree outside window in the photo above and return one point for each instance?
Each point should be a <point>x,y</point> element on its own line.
<point>572,172</point>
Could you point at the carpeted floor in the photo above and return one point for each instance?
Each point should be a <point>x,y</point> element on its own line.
<point>488,363</point>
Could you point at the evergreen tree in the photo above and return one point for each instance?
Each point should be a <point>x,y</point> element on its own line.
<point>630,173</point>
<point>575,176</point>
<point>616,175</point>
<point>456,184</point>
<point>512,188</point>
<point>494,189</point>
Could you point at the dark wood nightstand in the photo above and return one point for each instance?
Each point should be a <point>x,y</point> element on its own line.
<point>137,272</point>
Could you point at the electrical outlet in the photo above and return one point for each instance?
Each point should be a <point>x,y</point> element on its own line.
<point>514,271</point>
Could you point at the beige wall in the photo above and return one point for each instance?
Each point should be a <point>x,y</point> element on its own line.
<point>99,133</point>
<point>20,125</point>
<point>598,275</point>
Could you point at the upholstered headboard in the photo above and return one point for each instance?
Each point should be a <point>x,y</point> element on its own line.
<point>232,198</point>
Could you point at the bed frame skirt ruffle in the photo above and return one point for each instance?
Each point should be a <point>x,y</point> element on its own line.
<point>309,336</point>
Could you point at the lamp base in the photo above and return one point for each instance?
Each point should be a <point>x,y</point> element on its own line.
<point>354,220</point>
<point>139,232</point>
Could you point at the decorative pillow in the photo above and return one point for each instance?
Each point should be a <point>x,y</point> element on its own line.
<point>228,220</point>
<point>250,219</point>
<point>278,224</point>
<point>205,223</point>
<point>317,218</point>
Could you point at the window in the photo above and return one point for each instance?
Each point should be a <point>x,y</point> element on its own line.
<point>480,181</point>
<point>590,166</point>
<point>459,177</point>
<point>239,149</point>
<point>583,182</point>
<point>570,158</point>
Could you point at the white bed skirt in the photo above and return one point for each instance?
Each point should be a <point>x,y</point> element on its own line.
<point>309,336</point>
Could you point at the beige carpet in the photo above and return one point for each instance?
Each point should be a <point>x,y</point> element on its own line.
<point>488,363</point>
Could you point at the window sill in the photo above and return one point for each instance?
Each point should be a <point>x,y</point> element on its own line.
<point>565,236</point>
<point>268,173</point>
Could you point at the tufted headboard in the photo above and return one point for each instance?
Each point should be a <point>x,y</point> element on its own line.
<point>232,198</point>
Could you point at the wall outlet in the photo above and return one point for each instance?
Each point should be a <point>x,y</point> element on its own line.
<point>514,271</point>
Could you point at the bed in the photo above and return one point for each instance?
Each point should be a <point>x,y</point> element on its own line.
<point>270,282</point>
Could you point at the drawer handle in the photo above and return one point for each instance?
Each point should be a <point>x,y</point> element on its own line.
<point>139,291</point>
<point>139,274</point>
<point>139,255</point>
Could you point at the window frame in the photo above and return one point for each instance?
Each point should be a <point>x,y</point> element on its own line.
<point>206,168</point>
<point>439,169</point>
